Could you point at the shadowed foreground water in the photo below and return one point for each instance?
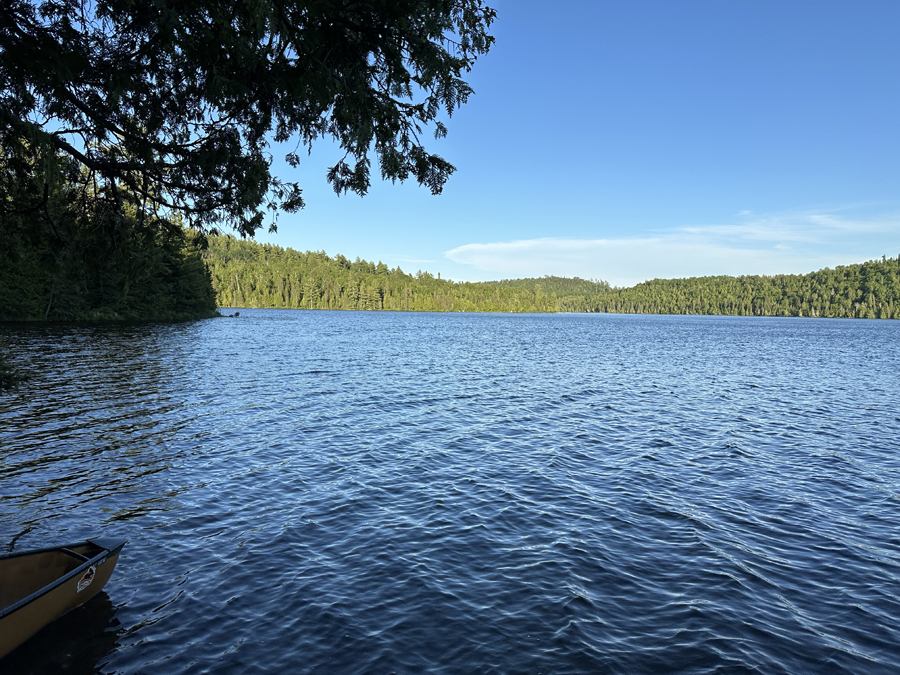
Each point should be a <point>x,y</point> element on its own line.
<point>360,492</point>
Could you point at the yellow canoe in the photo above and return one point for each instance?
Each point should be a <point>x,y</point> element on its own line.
<point>39,586</point>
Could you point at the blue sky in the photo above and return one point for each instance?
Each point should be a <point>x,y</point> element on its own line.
<point>631,140</point>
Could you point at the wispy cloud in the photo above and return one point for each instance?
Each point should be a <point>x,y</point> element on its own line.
<point>805,227</point>
<point>770,244</point>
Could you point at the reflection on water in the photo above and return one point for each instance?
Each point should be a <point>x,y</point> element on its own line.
<point>347,492</point>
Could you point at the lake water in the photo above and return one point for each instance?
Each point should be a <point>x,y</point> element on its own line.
<point>347,492</point>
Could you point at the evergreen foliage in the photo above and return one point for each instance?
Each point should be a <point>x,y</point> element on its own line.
<point>76,252</point>
<point>179,101</point>
<point>248,274</point>
<point>561,286</point>
<point>869,290</point>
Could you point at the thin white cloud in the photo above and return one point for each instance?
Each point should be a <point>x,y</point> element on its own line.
<point>809,227</point>
<point>792,243</point>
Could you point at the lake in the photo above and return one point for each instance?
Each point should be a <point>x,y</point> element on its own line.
<point>346,492</point>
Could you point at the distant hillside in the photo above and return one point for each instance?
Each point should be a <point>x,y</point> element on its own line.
<point>560,285</point>
<point>868,290</point>
<point>248,274</point>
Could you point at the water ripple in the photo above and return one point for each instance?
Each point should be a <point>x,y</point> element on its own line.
<point>356,492</point>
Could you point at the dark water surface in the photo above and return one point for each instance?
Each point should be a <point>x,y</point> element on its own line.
<point>362,492</point>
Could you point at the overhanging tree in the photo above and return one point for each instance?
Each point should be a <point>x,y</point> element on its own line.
<point>177,101</point>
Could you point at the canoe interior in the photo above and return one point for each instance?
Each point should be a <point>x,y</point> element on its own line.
<point>22,575</point>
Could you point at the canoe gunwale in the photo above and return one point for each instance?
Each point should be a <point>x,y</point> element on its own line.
<point>109,550</point>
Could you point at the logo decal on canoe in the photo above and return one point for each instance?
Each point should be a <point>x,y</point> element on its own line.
<point>86,578</point>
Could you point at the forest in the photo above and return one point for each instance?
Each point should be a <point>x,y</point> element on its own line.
<point>83,250</point>
<point>249,274</point>
<point>869,290</point>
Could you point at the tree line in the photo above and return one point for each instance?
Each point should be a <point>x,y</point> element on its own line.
<point>249,274</point>
<point>869,290</point>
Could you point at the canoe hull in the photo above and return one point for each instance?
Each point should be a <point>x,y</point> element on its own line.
<point>91,567</point>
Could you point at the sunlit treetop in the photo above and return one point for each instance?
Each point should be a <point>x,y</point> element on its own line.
<point>178,102</point>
